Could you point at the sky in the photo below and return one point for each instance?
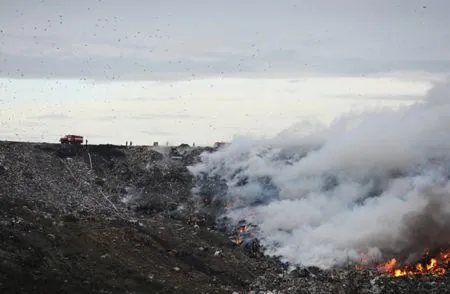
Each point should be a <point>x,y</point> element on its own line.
<point>204,71</point>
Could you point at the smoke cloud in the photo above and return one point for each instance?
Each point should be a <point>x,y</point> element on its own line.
<point>371,183</point>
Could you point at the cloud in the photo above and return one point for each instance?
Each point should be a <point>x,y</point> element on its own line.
<point>376,97</point>
<point>166,116</point>
<point>104,68</point>
<point>275,64</point>
<point>150,116</point>
<point>144,99</point>
<point>177,41</point>
<point>51,116</point>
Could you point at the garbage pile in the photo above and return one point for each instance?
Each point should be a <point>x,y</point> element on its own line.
<point>114,219</point>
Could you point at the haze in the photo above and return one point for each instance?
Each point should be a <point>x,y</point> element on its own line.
<point>204,71</point>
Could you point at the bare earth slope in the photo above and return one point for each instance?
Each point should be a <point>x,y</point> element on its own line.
<point>119,220</point>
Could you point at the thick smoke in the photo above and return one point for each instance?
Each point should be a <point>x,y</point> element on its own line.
<point>372,183</point>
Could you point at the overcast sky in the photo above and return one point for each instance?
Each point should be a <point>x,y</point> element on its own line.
<point>210,51</point>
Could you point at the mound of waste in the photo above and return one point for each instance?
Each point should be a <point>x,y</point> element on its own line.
<point>116,219</point>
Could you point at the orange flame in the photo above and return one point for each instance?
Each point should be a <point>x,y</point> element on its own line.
<point>435,266</point>
<point>238,239</point>
<point>243,229</point>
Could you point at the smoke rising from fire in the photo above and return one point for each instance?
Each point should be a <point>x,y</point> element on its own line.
<point>372,183</point>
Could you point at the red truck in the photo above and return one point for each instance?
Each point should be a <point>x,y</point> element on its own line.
<point>72,139</point>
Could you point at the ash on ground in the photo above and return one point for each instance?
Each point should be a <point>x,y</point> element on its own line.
<point>113,219</point>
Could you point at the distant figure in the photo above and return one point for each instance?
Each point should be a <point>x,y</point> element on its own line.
<point>131,143</point>
<point>126,143</point>
<point>86,142</point>
<point>193,144</point>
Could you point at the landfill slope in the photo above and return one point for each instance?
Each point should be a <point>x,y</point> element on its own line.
<point>114,219</point>
<point>65,228</point>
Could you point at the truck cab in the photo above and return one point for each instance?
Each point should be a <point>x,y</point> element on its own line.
<point>71,139</point>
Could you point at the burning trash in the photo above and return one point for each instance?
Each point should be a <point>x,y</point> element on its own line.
<point>243,232</point>
<point>436,266</point>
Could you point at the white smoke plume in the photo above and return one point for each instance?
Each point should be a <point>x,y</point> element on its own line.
<point>373,183</point>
